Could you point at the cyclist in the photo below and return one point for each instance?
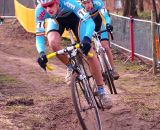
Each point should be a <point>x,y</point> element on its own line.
<point>62,14</point>
<point>99,13</point>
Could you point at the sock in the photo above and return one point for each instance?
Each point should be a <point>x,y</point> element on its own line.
<point>101,89</point>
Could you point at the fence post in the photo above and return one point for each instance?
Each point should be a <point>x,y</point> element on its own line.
<point>154,53</point>
<point>132,39</point>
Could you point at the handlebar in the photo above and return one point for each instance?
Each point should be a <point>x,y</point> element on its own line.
<point>62,51</point>
<point>99,32</point>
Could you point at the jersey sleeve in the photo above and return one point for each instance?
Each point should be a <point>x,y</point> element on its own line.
<point>40,29</point>
<point>77,8</point>
<point>101,7</point>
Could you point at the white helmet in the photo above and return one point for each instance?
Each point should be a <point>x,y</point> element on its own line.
<point>46,2</point>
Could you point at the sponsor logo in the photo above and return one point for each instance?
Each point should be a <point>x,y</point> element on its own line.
<point>69,5</point>
<point>41,16</point>
<point>97,3</point>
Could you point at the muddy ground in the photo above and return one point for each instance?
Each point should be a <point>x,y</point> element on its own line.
<point>31,99</point>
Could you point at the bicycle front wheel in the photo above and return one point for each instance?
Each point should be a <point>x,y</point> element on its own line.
<point>85,105</point>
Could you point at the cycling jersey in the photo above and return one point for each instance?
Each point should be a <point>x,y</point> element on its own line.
<point>100,16</point>
<point>67,7</point>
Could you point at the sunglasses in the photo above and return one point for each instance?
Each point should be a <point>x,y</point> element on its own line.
<point>49,5</point>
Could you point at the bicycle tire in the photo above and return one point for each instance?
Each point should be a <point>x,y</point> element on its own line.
<point>108,78</point>
<point>85,107</point>
<point>92,84</point>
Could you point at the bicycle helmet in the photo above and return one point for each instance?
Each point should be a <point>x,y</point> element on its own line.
<point>83,1</point>
<point>47,2</point>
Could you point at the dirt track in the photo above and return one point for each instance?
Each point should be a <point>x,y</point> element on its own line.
<point>32,99</point>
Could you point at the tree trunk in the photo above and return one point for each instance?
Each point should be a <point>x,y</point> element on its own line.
<point>140,4</point>
<point>155,9</point>
<point>130,8</point>
<point>126,7</point>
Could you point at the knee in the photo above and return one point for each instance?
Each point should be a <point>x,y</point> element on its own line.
<point>105,44</point>
<point>54,43</point>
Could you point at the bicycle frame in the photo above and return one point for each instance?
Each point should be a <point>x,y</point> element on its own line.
<point>98,47</point>
<point>106,67</point>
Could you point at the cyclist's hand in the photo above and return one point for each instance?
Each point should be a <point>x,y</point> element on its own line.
<point>86,45</point>
<point>109,27</point>
<point>42,60</point>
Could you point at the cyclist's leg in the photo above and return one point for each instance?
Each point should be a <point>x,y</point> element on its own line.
<point>95,68</point>
<point>54,38</point>
<point>96,72</point>
<point>105,44</point>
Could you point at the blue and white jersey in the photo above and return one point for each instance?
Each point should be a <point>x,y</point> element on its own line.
<point>66,7</point>
<point>98,6</point>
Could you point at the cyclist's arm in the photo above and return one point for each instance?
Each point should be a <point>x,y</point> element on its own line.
<point>83,15</point>
<point>40,28</point>
<point>101,7</point>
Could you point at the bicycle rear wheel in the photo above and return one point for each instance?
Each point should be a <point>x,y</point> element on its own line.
<point>108,78</point>
<point>85,105</point>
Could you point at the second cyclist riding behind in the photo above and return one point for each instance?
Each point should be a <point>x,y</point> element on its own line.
<point>102,21</point>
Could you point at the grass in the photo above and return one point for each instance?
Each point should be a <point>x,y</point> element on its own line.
<point>145,15</point>
<point>6,79</point>
<point>44,97</point>
<point>141,105</point>
<point>15,108</point>
<point>34,120</point>
<point>134,67</point>
<point>54,79</point>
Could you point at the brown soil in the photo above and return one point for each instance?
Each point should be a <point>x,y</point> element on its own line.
<point>31,99</point>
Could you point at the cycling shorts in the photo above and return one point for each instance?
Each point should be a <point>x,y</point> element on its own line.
<point>71,21</point>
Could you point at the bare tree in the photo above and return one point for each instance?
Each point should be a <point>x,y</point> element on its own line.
<point>140,5</point>
<point>130,8</point>
<point>154,8</point>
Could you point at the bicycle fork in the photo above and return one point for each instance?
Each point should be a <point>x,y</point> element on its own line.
<point>84,80</point>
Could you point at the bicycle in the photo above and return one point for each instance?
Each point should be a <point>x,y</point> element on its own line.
<point>106,67</point>
<point>81,89</point>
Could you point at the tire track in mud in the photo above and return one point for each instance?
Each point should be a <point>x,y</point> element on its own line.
<point>53,106</point>
<point>22,69</point>
<point>25,65</point>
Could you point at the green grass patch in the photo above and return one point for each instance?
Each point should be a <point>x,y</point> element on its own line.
<point>15,108</point>
<point>145,15</point>
<point>144,107</point>
<point>54,79</point>
<point>34,120</point>
<point>6,79</point>
<point>44,97</point>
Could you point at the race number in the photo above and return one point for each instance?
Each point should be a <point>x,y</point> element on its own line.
<point>103,10</point>
<point>82,13</point>
<point>40,24</point>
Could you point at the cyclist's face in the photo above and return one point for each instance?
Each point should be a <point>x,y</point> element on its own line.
<point>88,5</point>
<point>52,8</point>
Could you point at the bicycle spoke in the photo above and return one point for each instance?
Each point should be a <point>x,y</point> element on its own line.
<point>85,106</point>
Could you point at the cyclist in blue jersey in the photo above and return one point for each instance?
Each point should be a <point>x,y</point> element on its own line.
<point>62,14</point>
<point>98,12</point>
